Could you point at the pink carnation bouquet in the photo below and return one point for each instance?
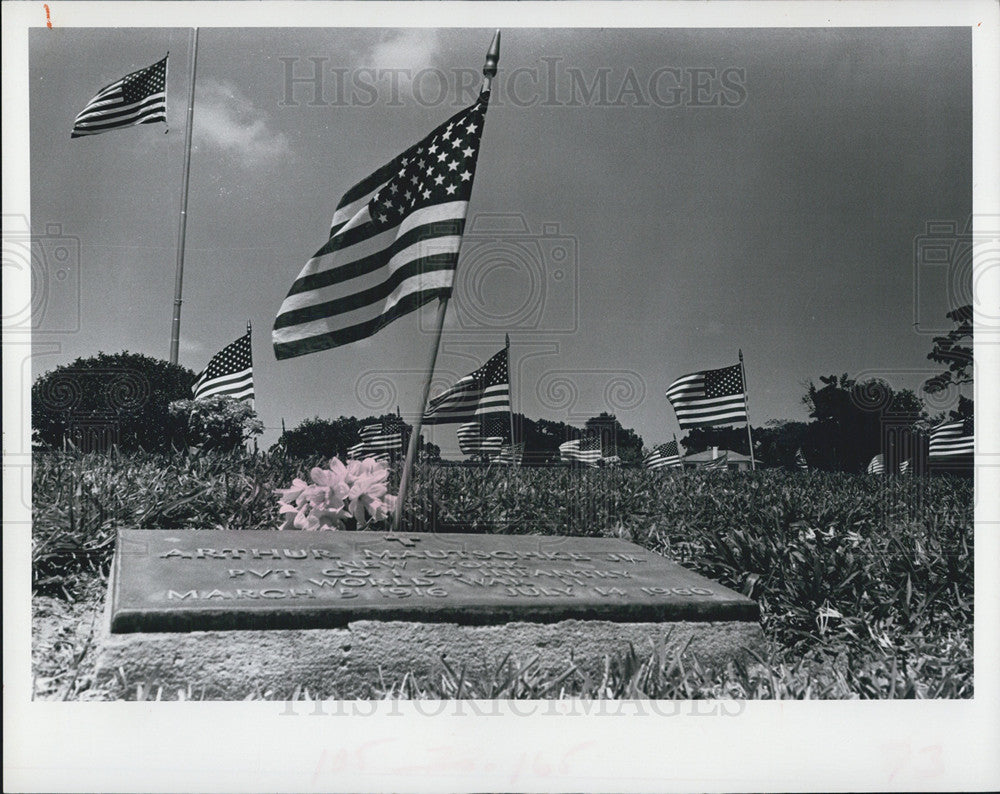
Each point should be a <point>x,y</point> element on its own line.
<point>339,496</point>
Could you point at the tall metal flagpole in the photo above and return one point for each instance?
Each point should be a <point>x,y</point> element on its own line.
<point>489,72</point>
<point>746,403</point>
<point>175,326</point>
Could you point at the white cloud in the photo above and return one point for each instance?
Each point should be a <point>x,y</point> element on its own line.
<point>227,120</point>
<point>412,49</point>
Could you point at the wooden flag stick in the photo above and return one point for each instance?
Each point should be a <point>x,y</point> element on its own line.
<point>175,326</point>
<point>746,406</point>
<point>489,72</point>
<point>507,343</point>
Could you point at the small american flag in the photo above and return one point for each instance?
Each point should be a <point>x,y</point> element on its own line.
<point>229,373</point>
<point>711,397</point>
<point>665,456</point>
<point>585,450</point>
<point>904,467</point>
<point>950,439</point>
<point>485,391</point>
<point>393,243</point>
<point>485,436</point>
<point>138,98</point>
<point>380,440</point>
<point>718,464</point>
<point>877,465</point>
<point>800,460</point>
<point>510,454</point>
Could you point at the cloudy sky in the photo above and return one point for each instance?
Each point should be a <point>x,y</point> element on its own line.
<point>647,202</point>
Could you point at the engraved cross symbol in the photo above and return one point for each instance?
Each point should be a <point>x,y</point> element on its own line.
<point>403,539</point>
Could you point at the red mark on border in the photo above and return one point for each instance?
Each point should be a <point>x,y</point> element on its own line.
<point>48,19</point>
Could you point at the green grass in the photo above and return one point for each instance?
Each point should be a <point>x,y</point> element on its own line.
<point>865,583</point>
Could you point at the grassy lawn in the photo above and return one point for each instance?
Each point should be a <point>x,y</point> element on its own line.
<point>865,583</point>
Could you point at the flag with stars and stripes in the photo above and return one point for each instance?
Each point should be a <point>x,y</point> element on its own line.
<point>719,463</point>
<point>711,397</point>
<point>876,465</point>
<point>950,439</point>
<point>229,373</point>
<point>485,391</point>
<point>586,450</point>
<point>511,454</point>
<point>484,436</point>
<point>138,98</point>
<point>393,243</point>
<point>381,440</point>
<point>665,456</point>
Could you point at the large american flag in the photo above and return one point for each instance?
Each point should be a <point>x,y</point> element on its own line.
<point>229,373</point>
<point>485,391</point>
<point>665,456</point>
<point>138,98</point>
<point>711,397</point>
<point>381,440</point>
<point>585,450</point>
<point>949,439</point>
<point>487,435</point>
<point>393,243</point>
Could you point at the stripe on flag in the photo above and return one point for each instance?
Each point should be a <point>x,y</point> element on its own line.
<point>229,373</point>
<point>949,439</point>
<point>711,397</point>
<point>393,243</point>
<point>138,98</point>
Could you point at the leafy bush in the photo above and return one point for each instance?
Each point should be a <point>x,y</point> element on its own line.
<point>865,583</point>
<point>217,423</point>
<point>108,401</point>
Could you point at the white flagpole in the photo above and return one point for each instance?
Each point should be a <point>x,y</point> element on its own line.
<point>746,405</point>
<point>175,327</point>
<point>489,72</point>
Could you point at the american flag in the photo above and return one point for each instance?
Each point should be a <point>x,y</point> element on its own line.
<point>665,456</point>
<point>719,463</point>
<point>949,439</point>
<point>582,450</point>
<point>511,454</point>
<point>485,391</point>
<point>800,460</point>
<point>904,467</point>
<point>380,440</point>
<point>877,465</point>
<point>393,243</point>
<point>485,436</point>
<point>712,397</point>
<point>138,98</point>
<point>229,373</point>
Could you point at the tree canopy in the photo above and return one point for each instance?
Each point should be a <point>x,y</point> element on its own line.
<point>119,399</point>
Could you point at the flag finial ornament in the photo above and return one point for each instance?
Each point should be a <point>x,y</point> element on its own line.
<point>492,57</point>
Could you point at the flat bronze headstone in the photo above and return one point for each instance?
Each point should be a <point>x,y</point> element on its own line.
<point>193,580</point>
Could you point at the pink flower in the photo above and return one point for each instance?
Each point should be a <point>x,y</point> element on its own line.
<point>339,492</point>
